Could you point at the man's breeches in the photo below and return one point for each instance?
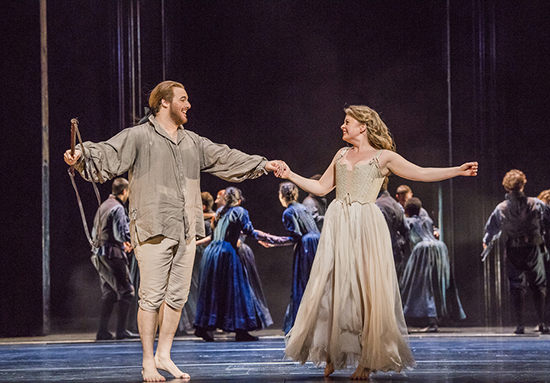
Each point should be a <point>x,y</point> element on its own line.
<point>115,279</point>
<point>523,263</point>
<point>165,267</point>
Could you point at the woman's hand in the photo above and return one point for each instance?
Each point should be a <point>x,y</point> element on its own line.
<point>283,170</point>
<point>468,169</point>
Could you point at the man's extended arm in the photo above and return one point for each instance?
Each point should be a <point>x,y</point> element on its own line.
<point>108,159</point>
<point>231,164</point>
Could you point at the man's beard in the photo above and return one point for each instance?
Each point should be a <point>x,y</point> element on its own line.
<point>177,118</point>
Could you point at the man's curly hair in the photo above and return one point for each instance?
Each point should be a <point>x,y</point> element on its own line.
<point>514,180</point>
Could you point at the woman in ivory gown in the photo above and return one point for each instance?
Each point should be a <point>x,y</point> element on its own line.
<point>351,313</point>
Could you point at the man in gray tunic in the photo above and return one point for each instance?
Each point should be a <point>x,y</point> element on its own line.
<point>164,161</point>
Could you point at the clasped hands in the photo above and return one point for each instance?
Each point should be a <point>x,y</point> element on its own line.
<point>279,168</point>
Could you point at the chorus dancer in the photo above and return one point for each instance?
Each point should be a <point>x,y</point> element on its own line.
<point>351,313</point>
<point>544,196</point>
<point>317,206</point>
<point>304,235</point>
<point>399,231</point>
<point>428,289</point>
<point>249,262</point>
<point>522,224</point>
<point>402,195</point>
<point>226,299</point>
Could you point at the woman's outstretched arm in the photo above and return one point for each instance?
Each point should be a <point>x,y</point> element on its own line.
<point>393,162</point>
<point>320,188</point>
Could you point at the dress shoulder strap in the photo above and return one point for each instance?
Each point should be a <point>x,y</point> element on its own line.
<point>375,158</point>
<point>342,153</point>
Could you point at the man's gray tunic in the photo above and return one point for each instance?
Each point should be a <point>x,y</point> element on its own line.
<point>164,175</point>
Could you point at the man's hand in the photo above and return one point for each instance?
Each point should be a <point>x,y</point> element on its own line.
<point>72,159</point>
<point>271,166</point>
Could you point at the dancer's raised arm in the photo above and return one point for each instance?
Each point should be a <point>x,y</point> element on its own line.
<point>393,162</point>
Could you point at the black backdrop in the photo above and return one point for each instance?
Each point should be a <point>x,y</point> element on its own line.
<point>270,78</point>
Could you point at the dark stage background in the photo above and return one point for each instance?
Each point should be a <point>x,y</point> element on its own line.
<point>270,78</point>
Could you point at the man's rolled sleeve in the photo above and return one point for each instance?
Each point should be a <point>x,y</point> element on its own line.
<point>110,158</point>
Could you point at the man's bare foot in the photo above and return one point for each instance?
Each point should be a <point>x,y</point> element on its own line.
<point>361,373</point>
<point>329,368</point>
<point>150,373</point>
<point>169,366</point>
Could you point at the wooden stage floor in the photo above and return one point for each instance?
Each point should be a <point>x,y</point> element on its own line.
<point>452,355</point>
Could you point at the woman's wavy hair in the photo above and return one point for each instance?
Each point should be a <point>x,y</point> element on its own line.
<point>377,132</point>
<point>231,198</point>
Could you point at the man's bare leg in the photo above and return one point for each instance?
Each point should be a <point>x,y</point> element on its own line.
<point>147,323</point>
<point>168,323</point>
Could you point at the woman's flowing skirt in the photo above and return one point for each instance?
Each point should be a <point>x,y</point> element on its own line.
<point>351,308</point>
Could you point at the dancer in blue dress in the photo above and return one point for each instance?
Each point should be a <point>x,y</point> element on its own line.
<point>249,262</point>
<point>304,234</point>
<point>427,287</point>
<point>226,299</point>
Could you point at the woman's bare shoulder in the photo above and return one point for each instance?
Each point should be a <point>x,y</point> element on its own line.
<point>340,153</point>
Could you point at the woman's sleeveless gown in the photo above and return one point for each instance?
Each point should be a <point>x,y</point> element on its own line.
<point>351,308</point>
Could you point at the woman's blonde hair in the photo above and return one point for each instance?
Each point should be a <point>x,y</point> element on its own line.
<point>377,132</point>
